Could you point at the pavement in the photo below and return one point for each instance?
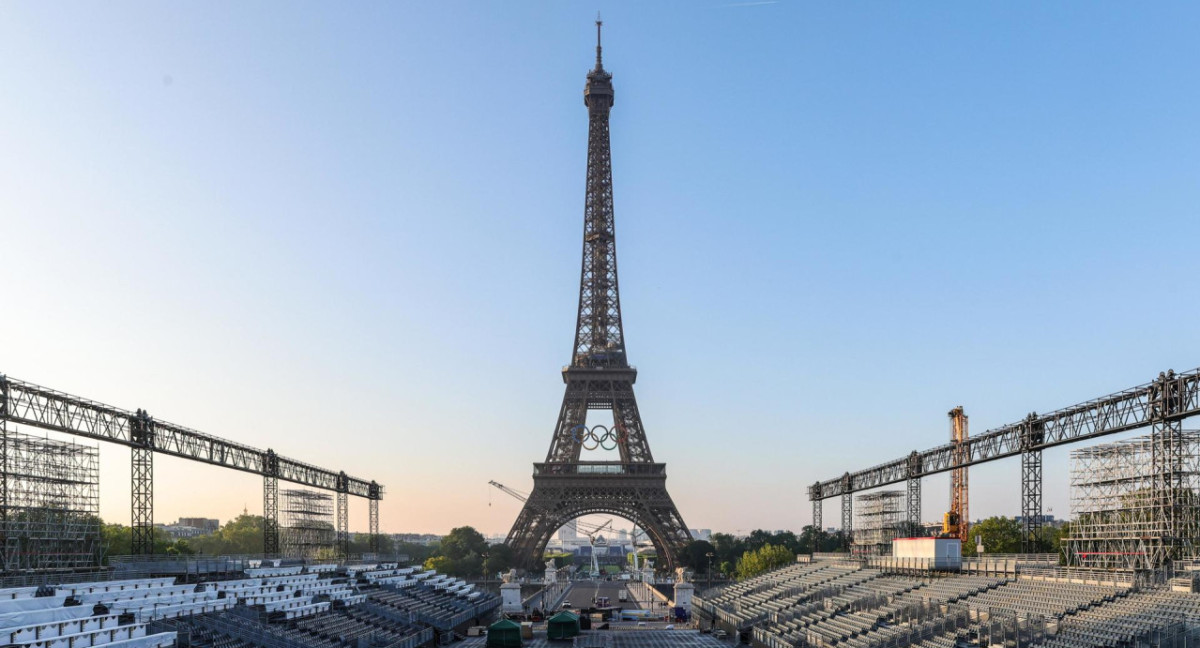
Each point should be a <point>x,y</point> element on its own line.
<point>585,591</point>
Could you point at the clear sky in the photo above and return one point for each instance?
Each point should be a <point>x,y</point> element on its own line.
<point>351,233</point>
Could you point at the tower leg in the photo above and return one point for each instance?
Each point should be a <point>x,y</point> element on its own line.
<point>1031,501</point>
<point>343,524</point>
<point>914,502</point>
<point>818,524</point>
<point>1170,499</point>
<point>142,509</point>
<point>270,515</point>
<point>847,520</point>
<point>374,524</point>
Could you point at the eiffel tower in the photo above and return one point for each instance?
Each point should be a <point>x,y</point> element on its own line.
<point>598,378</point>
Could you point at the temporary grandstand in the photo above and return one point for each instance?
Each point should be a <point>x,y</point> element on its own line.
<point>313,606</point>
<point>50,518</point>
<point>843,603</point>
<point>308,530</point>
<point>1128,515</point>
<point>879,522</point>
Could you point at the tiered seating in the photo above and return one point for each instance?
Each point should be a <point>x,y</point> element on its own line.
<point>444,608</point>
<point>1047,598</point>
<point>1137,616</point>
<point>755,600</point>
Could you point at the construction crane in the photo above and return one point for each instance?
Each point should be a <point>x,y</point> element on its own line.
<point>597,540</point>
<point>522,497</point>
<point>956,523</point>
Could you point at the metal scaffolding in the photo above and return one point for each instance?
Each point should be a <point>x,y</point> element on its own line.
<point>50,510</point>
<point>881,518</point>
<point>1135,501</point>
<point>308,530</point>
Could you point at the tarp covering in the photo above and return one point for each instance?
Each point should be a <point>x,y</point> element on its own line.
<point>504,634</point>
<point>563,625</point>
<point>10,606</point>
<point>18,619</point>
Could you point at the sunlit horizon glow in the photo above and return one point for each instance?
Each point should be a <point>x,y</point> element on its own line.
<point>352,235</point>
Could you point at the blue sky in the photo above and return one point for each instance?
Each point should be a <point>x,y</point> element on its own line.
<point>351,233</point>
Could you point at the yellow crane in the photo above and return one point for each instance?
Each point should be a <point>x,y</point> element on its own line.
<point>956,522</point>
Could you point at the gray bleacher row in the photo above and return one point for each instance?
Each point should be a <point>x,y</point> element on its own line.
<point>1137,616</point>
<point>792,607</point>
<point>289,601</point>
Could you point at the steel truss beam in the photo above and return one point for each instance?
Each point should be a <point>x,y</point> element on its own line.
<point>1120,412</point>
<point>36,406</point>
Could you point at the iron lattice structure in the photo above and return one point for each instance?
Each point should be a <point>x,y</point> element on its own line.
<point>1161,404</point>
<point>36,406</point>
<point>51,503</point>
<point>598,378</point>
<point>1135,502</point>
<point>308,530</point>
<point>881,519</point>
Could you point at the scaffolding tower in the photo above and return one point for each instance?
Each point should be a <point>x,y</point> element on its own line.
<point>49,504</point>
<point>880,520</point>
<point>1134,502</point>
<point>308,530</point>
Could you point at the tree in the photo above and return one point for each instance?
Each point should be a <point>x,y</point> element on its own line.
<point>727,547</point>
<point>241,535</point>
<point>499,558</point>
<point>695,555</point>
<point>763,560</point>
<point>1000,535</point>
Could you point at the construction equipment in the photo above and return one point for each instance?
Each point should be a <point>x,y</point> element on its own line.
<point>585,527</point>
<point>597,540</point>
<point>956,523</point>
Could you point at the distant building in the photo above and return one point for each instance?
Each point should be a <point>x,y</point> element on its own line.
<point>425,539</point>
<point>568,532</point>
<point>701,534</point>
<point>178,531</point>
<point>206,525</point>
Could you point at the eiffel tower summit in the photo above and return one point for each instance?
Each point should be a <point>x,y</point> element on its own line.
<point>599,378</point>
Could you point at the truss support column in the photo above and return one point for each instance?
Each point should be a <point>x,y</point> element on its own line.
<point>373,495</point>
<point>1033,434</point>
<point>914,503</point>
<point>343,516</point>
<point>914,491</point>
<point>271,504</point>
<point>847,520</point>
<point>1166,441</point>
<point>818,524</point>
<point>141,434</point>
<point>1031,501</point>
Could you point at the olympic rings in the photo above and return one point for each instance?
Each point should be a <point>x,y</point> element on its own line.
<point>599,437</point>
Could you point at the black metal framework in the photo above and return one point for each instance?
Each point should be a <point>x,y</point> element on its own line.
<point>847,520</point>
<point>343,518</point>
<point>141,453</point>
<point>373,506</point>
<point>598,378</point>
<point>271,515</point>
<point>1032,436</point>
<point>1120,412</point>
<point>914,491</point>
<point>818,515</point>
<point>25,403</point>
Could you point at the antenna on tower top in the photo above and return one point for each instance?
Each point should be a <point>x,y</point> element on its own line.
<point>599,23</point>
